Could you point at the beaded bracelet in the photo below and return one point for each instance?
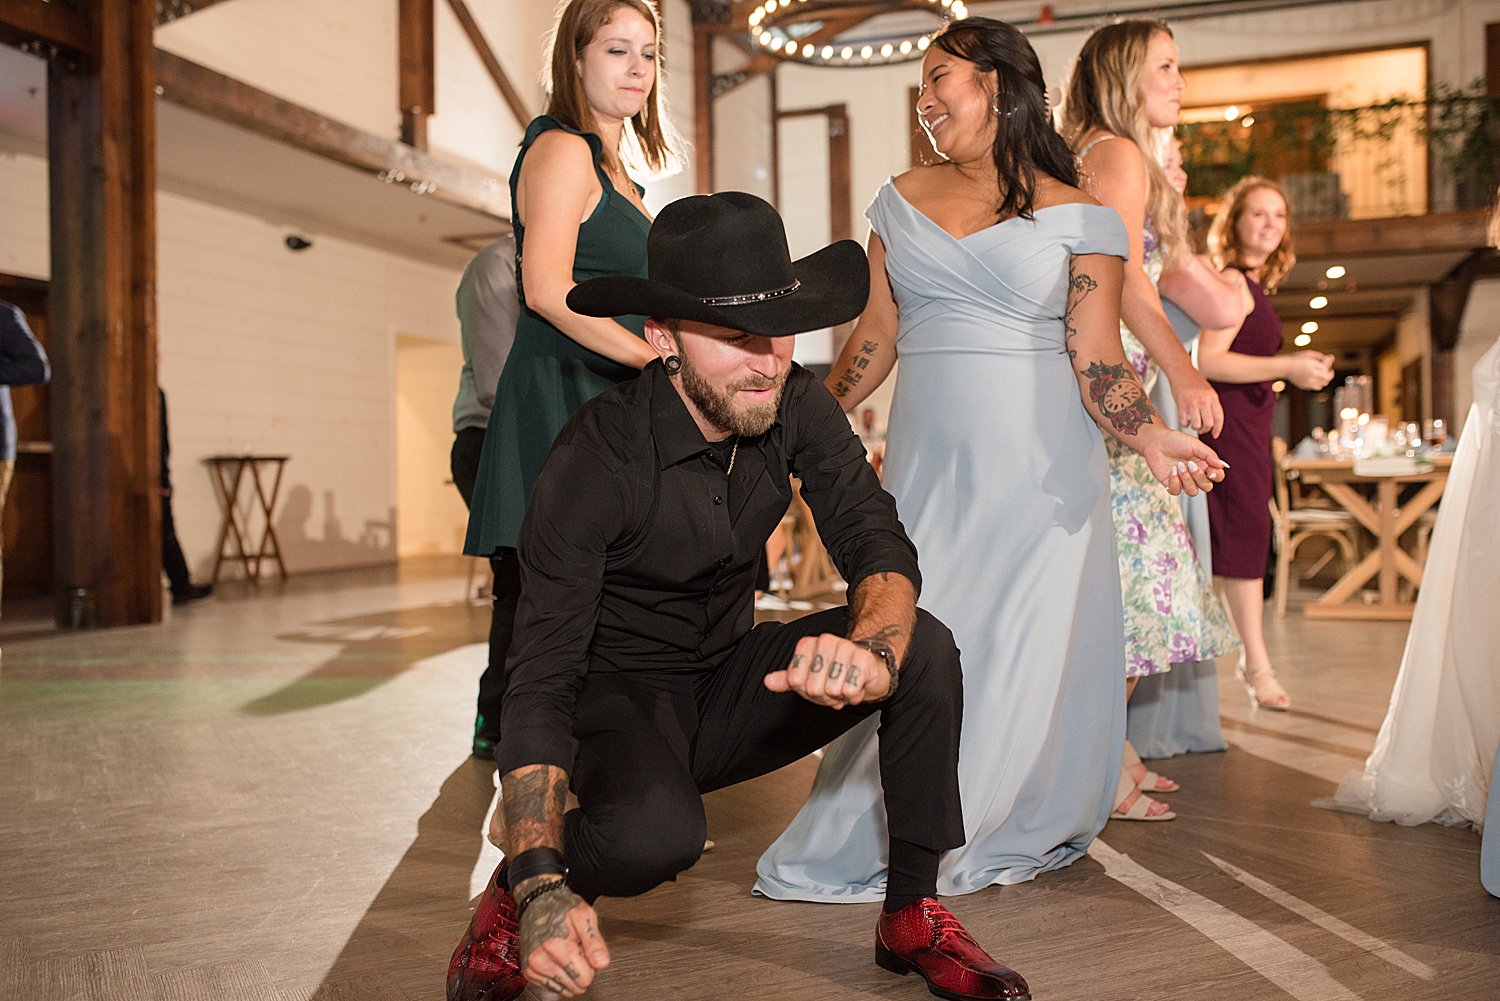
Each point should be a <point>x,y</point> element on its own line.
<point>540,891</point>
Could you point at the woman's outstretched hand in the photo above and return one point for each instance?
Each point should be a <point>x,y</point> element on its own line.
<point>1183,463</point>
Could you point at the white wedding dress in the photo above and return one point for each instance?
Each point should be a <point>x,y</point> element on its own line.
<point>1437,747</point>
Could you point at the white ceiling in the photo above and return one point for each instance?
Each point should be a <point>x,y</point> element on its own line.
<point>203,158</point>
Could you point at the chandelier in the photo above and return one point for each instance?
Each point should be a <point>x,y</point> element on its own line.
<point>805,30</point>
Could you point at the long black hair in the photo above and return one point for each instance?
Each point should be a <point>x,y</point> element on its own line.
<point>1025,139</point>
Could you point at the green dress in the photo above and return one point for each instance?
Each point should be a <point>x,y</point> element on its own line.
<point>548,374</point>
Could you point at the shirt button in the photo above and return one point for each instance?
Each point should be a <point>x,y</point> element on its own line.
<point>718,500</point>
<point>724,561</point>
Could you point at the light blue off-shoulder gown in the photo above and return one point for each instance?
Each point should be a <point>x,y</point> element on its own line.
<point>1001,479</point>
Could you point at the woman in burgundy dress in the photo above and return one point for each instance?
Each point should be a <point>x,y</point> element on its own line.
<point>1250,233</point>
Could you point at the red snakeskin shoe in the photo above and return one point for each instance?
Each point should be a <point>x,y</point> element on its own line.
<point>486,965</point>
<point>925,938</point>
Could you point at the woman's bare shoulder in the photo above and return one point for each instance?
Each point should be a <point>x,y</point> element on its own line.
<point>921,180</point>
<point>1113,153</point>
<point>558,149</point>
<point>1051,191</point>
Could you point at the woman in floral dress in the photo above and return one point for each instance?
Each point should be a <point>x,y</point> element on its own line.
<point>1126,83</point>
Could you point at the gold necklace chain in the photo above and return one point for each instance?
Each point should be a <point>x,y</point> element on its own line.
<point>732,455</point>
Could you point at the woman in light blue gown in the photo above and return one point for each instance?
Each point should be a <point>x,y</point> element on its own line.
<point>997,282</point>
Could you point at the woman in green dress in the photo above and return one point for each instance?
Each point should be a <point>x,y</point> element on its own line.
<point>577,215</point>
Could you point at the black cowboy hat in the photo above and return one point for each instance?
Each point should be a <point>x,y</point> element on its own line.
<point>723,259</point>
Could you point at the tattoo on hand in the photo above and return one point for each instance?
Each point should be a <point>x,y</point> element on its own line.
<point>1120,397</point>
<point>1079,287</point>
<point>853,678</point>
<point>817,664</point>
<point>796,661</point>
<point>835,668</point>
<point>545,919</point>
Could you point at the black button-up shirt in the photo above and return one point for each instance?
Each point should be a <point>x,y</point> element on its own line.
<point>639,552</point>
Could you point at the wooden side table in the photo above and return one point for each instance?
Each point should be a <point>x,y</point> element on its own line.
<point>229,473</point>
<point>1384,520</point>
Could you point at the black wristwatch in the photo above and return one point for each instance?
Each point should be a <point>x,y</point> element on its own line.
<point>885,653</point>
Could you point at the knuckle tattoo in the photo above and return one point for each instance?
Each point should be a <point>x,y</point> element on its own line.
<point>835,668</point>
<point>817,664</point>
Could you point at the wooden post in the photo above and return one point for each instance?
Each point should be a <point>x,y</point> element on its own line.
<point>418,87</point>
<point>101,140</point>
<point>703,104</point>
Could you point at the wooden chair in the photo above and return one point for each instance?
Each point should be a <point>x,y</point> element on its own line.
<point>1294,526</point>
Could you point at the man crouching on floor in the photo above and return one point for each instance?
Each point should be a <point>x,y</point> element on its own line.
<point>637,676</point>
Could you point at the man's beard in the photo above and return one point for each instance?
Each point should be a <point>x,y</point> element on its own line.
<point>717,406</point>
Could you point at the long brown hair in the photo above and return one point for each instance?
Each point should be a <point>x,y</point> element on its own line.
<point>1224,237</point>
<point>1106,94</point>
<point>648,140</point>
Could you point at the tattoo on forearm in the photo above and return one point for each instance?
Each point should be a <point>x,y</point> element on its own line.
<point>1079,287</point>
<point>884,634</point>
<point>868,347</point>
<point>817,664</point>
<point>1120,397</point>
<point>835,668</point>
<point>534,798</point>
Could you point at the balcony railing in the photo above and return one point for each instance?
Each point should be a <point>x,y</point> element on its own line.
<point>1356,163</point>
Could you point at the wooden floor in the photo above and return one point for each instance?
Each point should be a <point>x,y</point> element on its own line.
<point>269,797</point>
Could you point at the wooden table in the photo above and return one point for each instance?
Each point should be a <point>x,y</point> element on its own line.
<point>229,473</point>
<point>1385,520</point>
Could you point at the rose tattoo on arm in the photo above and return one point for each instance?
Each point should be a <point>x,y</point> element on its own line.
<point>1121,398</point>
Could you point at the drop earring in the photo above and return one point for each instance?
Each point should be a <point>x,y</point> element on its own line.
<point>995,107</point>
<point>672,364</point>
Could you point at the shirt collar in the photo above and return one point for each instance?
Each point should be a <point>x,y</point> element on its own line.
<point>677,435</point>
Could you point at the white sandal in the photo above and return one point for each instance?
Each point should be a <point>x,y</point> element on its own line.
<point>1142,803</point>
<point>1275,697</point>
<point>1151,782</point>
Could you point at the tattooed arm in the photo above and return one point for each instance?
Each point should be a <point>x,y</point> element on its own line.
<point>870,352</point>
<point>1111,390</point>
<point>560,937</point>
<point>831,671</point>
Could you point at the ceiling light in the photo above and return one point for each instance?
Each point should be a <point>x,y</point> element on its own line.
<point>827,52</point>
<point>1310,327</point>
<point>1247,121</point>
<point>846,52</point>
<point>1230,113</point>
<point>1302,340</point>
<point>866,52</point>
<point>1318,301</point>
<point>1278,386</point>
<point>807,51</point>
<point>923,42</point>
<point>1337,271</point>
<point>905,46</point>
<point>887,49</point>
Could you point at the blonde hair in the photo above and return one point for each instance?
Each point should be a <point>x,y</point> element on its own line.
<point>648,141</point>
<point>1106,94</point>
<point>1224,238</point>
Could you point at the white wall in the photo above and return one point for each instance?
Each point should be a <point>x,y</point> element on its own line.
<point>274,352</point>
<point>432,513</point>
<point>337,57</point>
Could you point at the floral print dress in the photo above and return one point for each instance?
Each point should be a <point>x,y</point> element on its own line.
<point>1171,613</point>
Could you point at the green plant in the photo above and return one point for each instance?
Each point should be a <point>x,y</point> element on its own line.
<point>1462,126</point>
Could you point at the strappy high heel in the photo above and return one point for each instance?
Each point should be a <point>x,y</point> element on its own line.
<point>1264,690</point>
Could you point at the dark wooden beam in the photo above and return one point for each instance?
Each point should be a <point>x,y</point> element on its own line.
<point>840,169</point>
<point>213,94</point>
<point>101,139</point>
<point>513,99</point>
<point>36,24</point>
<point>703,105</point>
<point>417,70</point>
<point>1436,231</point>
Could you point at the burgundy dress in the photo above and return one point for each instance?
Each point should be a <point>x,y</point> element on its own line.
<point>1239,515</point>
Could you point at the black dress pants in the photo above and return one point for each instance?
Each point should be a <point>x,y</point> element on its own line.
<point>507,590</point>
<point>651,744</point>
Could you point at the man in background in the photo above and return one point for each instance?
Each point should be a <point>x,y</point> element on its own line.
<point>22,363</point>
<point>487,310</point>
<point>172,560</point>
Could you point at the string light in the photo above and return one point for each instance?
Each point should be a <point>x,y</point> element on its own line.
<point>781,28</point>
<point>1310,327</point>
